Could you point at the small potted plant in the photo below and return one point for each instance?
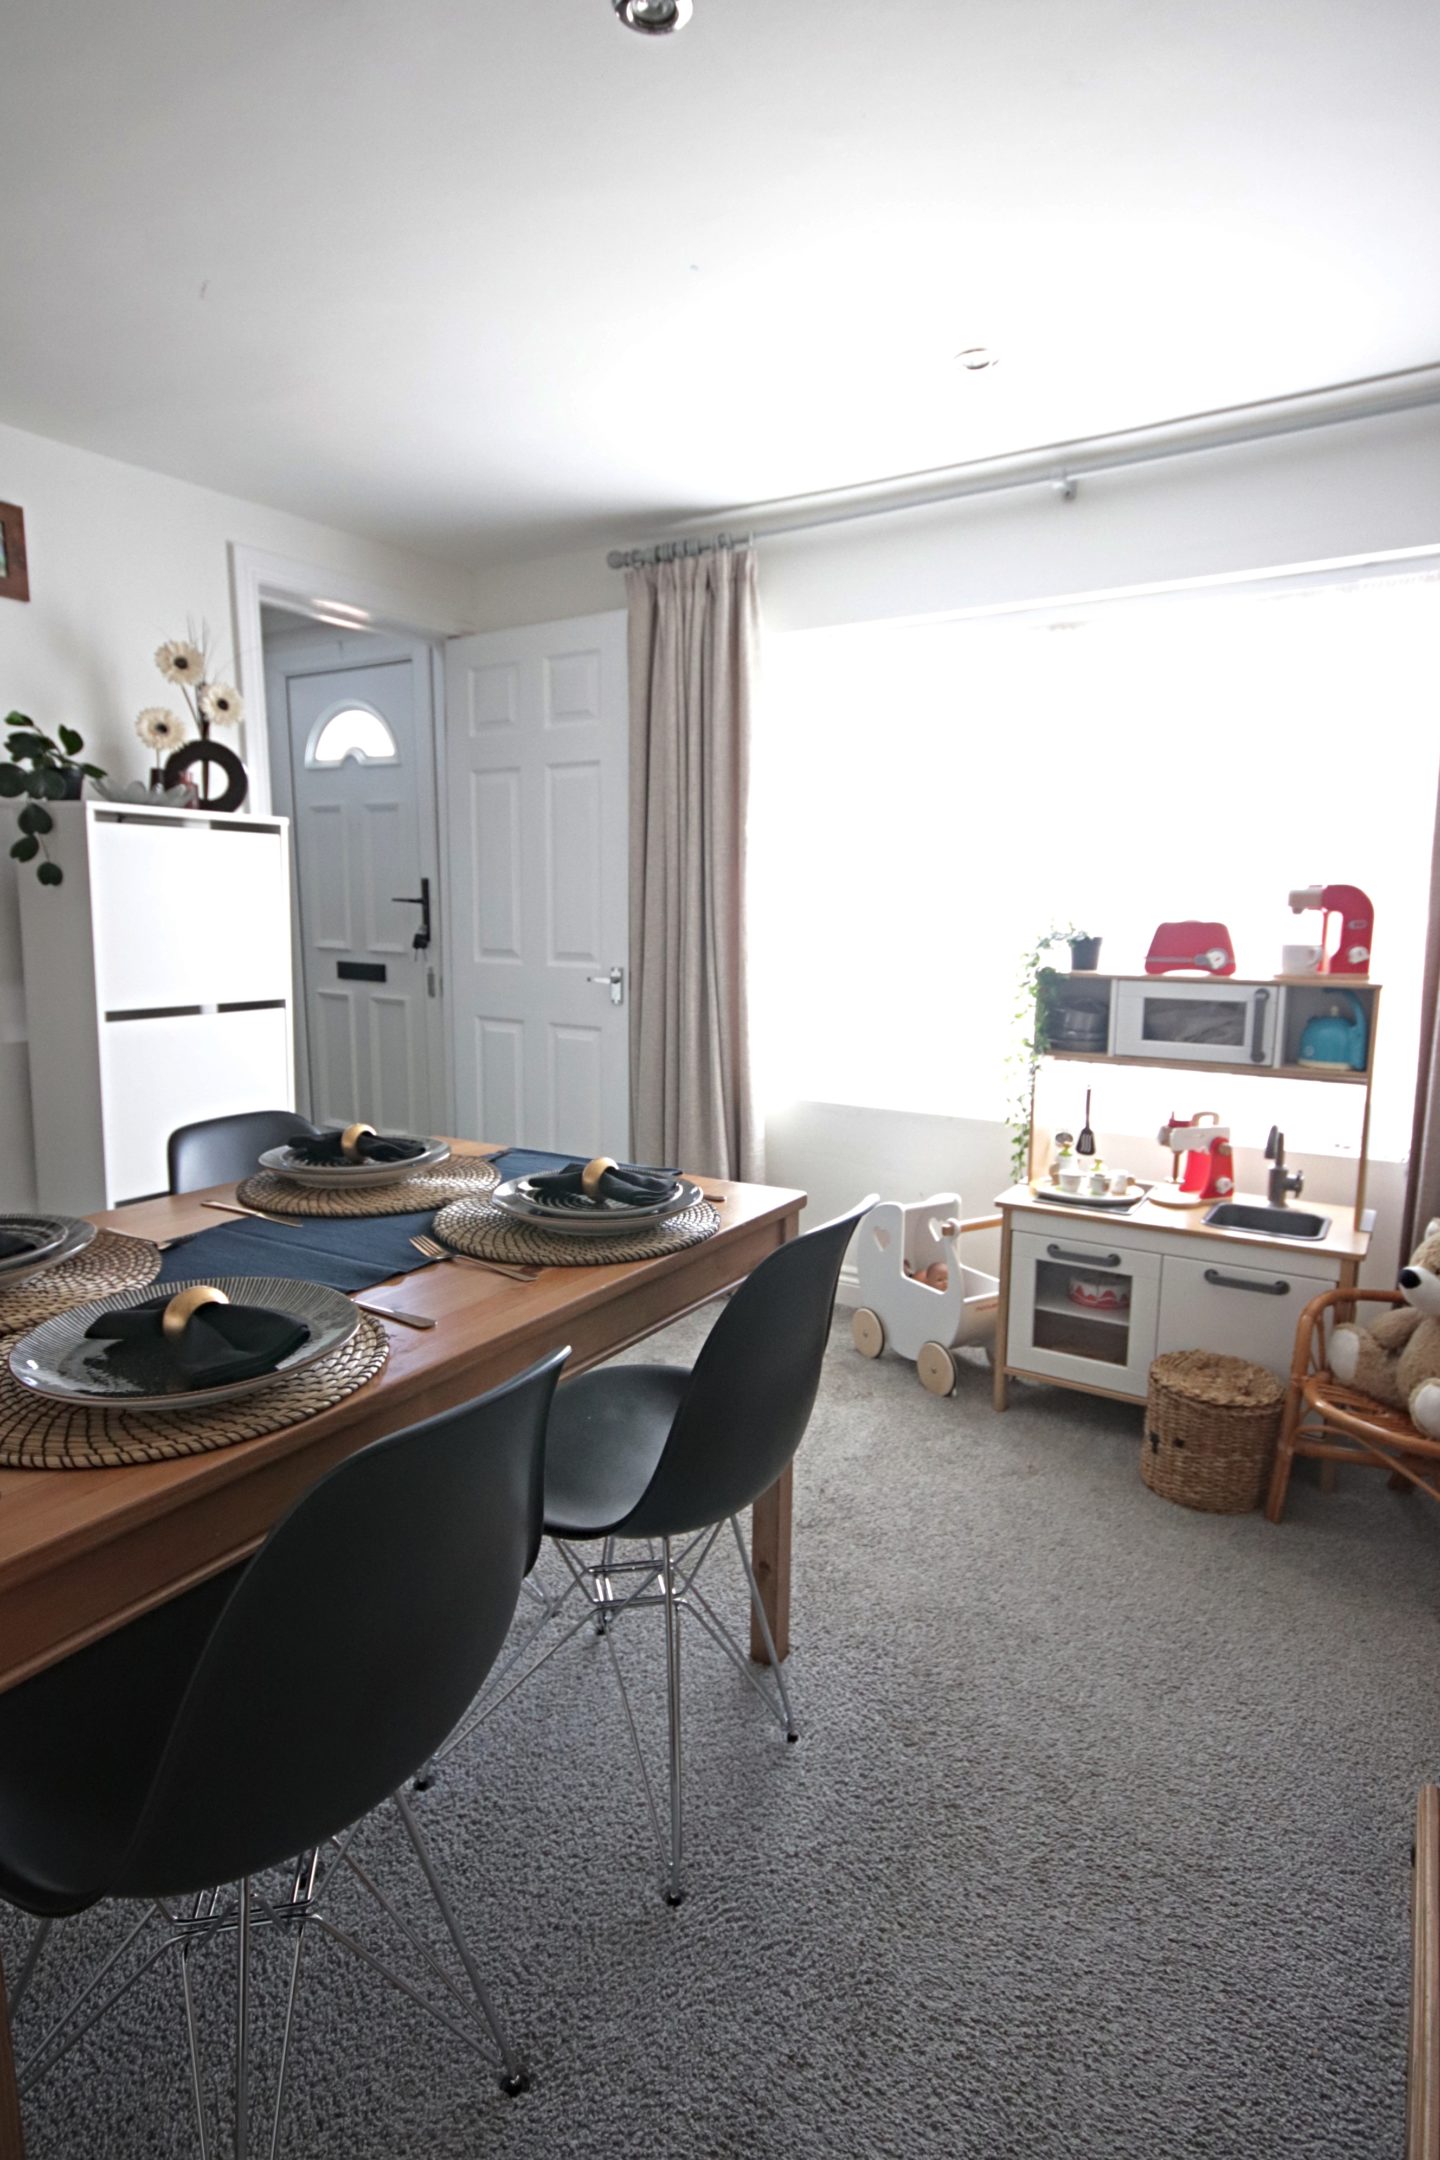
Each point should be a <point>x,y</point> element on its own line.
<point>42,770</point>
<point>1084,952</point>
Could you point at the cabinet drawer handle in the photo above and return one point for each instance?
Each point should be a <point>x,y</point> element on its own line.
<point>1238,1282</point>
<point>1087,1259</point>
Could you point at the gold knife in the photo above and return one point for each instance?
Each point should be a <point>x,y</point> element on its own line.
<point>393,1312</point>
<point>230,1207</point>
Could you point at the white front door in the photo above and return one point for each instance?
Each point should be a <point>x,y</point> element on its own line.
<point>361,787</point>
<point>536,736</point>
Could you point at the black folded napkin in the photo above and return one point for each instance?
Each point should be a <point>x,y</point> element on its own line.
<point>10,1244</point>
<point>627,1185</point>
<point>220,1343</point>
<point>320,1150</point>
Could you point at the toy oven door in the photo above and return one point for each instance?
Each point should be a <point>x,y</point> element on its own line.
<point>1215,1022</point>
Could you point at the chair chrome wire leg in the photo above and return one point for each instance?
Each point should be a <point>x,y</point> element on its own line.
<point>500,1687</point>
<point>516,2078</point>
<point>27,1970</point>
<point>57,2042</point>
<point>637,1750</point>
<point>757,1605</point>
<point>674,1888</point>
<point>301,1895</point>
<point>701,1610</point>
<point>199,2083</point>
<point>242,2025</point>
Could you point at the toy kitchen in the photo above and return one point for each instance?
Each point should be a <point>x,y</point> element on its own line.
<point>1104,1266</point>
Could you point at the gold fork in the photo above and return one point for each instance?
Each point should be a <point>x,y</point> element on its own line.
<point>434,1251</point>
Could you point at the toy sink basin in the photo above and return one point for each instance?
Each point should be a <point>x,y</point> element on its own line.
<point>1269,1221</point>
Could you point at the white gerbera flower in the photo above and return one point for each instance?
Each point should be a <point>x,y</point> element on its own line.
<point>160,728</point>
<point>180,661</point>
<point>217,701</point>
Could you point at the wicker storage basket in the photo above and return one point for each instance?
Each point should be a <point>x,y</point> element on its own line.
<point>1211,1423</point>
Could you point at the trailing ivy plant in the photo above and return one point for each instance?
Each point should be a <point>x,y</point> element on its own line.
<point>1034,1004</point>
<point>43,771</point>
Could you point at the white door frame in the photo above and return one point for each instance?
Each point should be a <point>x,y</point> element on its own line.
<point>337,598</point>
<point>340,600</point>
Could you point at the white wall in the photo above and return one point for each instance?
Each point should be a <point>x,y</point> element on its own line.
<point>120,560</point>
<point>1361,488</point>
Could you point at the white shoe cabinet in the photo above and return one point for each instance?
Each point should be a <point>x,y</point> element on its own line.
<point>158,990</point>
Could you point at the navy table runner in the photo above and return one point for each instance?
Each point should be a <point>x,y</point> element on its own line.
<point>349,1252</point>
<point>352,1252</point>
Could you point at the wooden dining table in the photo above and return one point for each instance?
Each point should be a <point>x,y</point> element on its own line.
<point>84,1551</point>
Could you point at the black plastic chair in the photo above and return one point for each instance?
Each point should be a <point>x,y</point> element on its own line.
<point>668,1455</point>
<point>222,1150</point>
<point>265,1713</point>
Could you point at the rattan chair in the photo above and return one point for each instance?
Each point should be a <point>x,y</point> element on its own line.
<point>1329,1420</point>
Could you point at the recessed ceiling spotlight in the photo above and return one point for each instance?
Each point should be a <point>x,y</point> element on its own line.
<point>654,17</point>
<point>977,358</point>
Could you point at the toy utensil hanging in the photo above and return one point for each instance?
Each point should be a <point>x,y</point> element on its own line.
<point>1085,1145</point>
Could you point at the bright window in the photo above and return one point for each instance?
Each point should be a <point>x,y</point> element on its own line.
<point>357,732</point>
<point>930,797</point>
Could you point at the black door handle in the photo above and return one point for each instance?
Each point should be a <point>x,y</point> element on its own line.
<point>1261,999</point>
<point>1239,1282</point>
<point>421,939</point>
<point>1063,1252</point>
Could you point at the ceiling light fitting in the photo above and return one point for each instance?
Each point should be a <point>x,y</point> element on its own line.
<point>976,358</point>
<point>655,18</point>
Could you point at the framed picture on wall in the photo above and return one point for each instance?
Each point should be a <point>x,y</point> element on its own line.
<point>14,577</point>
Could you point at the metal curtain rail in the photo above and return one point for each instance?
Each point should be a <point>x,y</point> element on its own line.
<point>672,550</point>
<point>1060,466</point>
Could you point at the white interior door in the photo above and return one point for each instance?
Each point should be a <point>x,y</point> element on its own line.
<point>536,735</point>
<point>361,782</point>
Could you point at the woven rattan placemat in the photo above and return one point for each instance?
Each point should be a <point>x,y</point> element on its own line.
<point>40,1435</point>
<point>464,1177</point>
<point>485,1232</point>
<point>109,1262</point>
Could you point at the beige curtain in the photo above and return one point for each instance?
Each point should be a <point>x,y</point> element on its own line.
<point>1422,1196</point>
<point>694,635</point>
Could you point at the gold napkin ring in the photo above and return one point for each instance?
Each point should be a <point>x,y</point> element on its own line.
<point>591,1175</point>
<point>350,1140</point>
<point>185,1303</point>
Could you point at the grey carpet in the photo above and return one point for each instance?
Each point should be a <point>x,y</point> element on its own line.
<point>1096,1843</point>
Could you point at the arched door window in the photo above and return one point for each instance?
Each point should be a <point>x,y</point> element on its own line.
<point>356,731</point>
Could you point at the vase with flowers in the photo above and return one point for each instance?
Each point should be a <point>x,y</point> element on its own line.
<point>185,663</point>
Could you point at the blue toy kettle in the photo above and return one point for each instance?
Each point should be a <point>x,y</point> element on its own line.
<point>1330,1039</point>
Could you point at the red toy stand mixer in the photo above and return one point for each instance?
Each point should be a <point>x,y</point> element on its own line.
<point>1351,955</point>
<point>1205,1162</point>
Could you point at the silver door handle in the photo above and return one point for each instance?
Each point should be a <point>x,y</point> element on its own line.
<point>615,977</point>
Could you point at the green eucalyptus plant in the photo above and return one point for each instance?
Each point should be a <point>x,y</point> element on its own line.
<point>1034,1004</point>
<point>43,771</point>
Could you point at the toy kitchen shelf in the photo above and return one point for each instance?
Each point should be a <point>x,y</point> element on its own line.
<point>1090,1296</point>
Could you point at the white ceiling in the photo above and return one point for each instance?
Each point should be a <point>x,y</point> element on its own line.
<point>493,278</point>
